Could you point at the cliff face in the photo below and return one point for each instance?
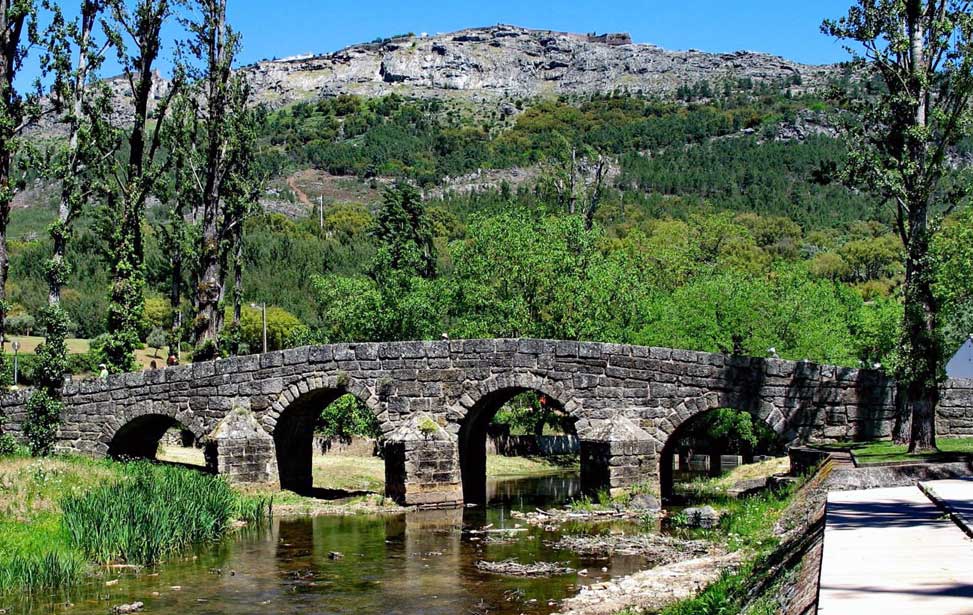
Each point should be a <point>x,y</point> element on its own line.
<point>507,61</point>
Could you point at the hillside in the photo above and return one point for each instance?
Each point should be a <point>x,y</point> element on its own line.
<point>722,183</point>
<point>507,61</point>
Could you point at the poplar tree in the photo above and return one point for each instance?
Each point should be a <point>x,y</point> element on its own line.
<point>922,50</point>
<point>16,113</point>
<point>72,57</point>
<point>136,37</point>
<point>222,167</point>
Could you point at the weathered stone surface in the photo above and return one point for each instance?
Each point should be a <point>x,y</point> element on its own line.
<point>628,402</point>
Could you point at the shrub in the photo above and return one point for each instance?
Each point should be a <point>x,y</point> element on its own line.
<point>156,340</point>
<point>41,423</point>
<point>347,417</point>
<point>21,324</point>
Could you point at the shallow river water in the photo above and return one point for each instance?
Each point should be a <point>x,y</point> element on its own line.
<point>419,562</point>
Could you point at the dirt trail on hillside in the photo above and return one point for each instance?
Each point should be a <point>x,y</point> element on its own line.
<point>300,194</point>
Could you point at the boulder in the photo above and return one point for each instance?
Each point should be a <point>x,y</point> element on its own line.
<point>705,517</point>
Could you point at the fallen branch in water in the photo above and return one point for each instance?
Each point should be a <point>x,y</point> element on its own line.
<point>514,568</point>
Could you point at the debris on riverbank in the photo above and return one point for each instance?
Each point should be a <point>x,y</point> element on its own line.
<point>650,590</point>
<point>514,568</point>
<point>551,518</point>
<point>656,548</point>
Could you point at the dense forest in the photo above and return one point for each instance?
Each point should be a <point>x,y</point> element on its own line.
<point>713,232</point>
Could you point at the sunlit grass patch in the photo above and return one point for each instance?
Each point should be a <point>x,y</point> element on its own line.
<point>886,451</point>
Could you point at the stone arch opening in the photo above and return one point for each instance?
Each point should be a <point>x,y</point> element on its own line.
<point>299,438</point>
<point>698,445</point>
<point>158,437</point>
<point>475,429</point>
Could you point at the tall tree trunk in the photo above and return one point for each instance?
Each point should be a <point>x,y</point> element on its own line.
<point>66,206</point>
<point>175,298</point>
<point>11,28</point>
<point>921,329</point>
<point>920,322</point>
<point>209,320</point>
<point>126,297</point>
<point>238,276</point>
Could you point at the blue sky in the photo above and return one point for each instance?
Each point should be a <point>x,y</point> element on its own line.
<point>288,27</point>
<point>783,27</point>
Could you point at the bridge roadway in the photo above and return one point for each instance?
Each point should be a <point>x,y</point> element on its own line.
<point>434,401</point>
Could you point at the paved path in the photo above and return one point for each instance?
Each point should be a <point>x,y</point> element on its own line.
<point>891,551</point>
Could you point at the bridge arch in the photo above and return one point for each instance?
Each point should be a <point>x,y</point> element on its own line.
<point>291,422</point>
<point>689,415</point>
<point>480,404</point>
<point>137,434</point>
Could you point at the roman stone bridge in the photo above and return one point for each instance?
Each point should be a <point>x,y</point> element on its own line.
<point>434,400</point>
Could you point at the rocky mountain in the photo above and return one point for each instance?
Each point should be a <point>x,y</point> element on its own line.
<point>508,61</point>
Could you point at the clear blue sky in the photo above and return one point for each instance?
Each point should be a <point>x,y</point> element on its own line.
<point>281,28</point>
<point>783,27</point>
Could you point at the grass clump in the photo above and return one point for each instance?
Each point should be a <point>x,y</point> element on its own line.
<point>59,515</point>
<point>153,513</point>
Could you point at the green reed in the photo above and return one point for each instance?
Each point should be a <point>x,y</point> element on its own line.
<point>154,512</point>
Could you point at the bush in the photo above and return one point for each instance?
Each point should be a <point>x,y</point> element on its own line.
<point>43,419</point>
<point>21,324</point>
<point>347,417</point>
<point>156,339</point>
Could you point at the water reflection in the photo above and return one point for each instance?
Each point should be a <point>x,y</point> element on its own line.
<point>419,562</point>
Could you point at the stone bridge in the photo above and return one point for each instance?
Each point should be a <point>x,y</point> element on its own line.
<point>434,400</point>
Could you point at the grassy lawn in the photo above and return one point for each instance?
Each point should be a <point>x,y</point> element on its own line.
<point>29,344</point>
<point>181,454</point>
<point>350,473</point>
<point>143,356</point>
<point>887,452</point>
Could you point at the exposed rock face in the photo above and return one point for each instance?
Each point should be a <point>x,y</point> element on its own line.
<point>504,61</point>
<point>491,64</point>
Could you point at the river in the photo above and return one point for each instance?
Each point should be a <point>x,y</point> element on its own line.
<point>417,562</point>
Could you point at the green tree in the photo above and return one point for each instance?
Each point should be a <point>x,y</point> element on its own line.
<point>156,339</point>
<point>404,231</point>
<point>132,178</point>
<point>226,126</point>
<point>16,113</point>
<point>922,50</point>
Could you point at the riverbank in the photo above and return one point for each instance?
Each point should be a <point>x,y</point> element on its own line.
<point>714,564</point>
<point>63,519</point>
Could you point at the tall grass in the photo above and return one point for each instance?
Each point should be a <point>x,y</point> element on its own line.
<point>154,512</point>
<point>50,570</point>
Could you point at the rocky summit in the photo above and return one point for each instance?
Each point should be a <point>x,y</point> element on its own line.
<point>507,61</point>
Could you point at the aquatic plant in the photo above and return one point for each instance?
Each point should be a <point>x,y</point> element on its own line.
<point>154,512</point>
<point>53,569</point>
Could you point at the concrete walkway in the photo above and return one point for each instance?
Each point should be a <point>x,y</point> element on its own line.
<point>891,551</point>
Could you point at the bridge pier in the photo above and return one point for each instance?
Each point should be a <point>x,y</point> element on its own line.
<point>618,455</point>
<point>422,465</point>
<point>239,449</point>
